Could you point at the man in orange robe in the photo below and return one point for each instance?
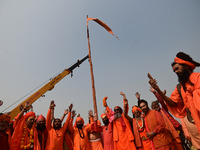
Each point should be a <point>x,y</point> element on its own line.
<point>107,130</point>
<point>42,131</point>
<point>80,134</point>
<point>184,100</point>
<point>25,134</point>
<point>68,139</point>
<point>142,142</point>
<point>56,133</point>
<point>155,127</point>
<point>122,135</point>
<point>95,137</point>
<point>4,137</point>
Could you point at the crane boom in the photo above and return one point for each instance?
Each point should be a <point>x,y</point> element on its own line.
<point>47,87</point>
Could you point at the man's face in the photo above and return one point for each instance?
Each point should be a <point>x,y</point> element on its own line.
<point>57,124</point>
<point>41,124</point>
<point>118,112</point>
<point>155,106</point>
<point>79,124</point>
<point>178,69</point>
<point>144,108</point>
<point>4,126</point>
<point>105,120</point>
<point>137,113</point>
<point>30,121</point>
<point>182,72</point>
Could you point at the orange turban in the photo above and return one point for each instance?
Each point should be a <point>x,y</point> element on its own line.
<point>29,114</point>
<point>5,117</point>
<point>136,108</point>
<point>41,117</point>
<point>181,61</point>
<point>103,115</point>
<point>79,119</point>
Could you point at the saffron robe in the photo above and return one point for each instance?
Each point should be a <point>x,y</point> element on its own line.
<point>55,137</point>
<point>42,137</point>
<point>68,138</point>
<point>155,123</point>
<point>190,99</point>
<point>141,140</point>
<point>191,131</point>
<point>81,143</point>
<point>170,123</point>
<point>123,139</point>
<point>108,137</point>
<point>18,134</point>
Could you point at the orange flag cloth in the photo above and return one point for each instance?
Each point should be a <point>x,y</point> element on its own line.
<point>105,26</point>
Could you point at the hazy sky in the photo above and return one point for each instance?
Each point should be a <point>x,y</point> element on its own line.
<point>39,39</point>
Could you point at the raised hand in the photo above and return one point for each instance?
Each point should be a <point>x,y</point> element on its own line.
<point>137,94</point>
<point>124,96</point>
<point>66,111</point>
<point>95,117</point>
<point>1,102</point>
<point>70,107</point>
<point>27,105</point>
<point>152,90</point>
<point>74,113</point>
<point>52,104</point>
<point>90,113</point>
<point>153,84</point>
<point>104,101</point>
<point>164,92</point>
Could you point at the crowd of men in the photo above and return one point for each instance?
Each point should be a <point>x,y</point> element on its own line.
<point>147,129</point>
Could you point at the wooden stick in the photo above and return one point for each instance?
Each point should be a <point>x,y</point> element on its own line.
<point>92,75</point>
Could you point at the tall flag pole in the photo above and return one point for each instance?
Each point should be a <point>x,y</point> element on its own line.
<point>90,59</point>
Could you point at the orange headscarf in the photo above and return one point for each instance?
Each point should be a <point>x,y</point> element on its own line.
<point>29,114</point>
<point>181,61</point>
<point>79,119</point>
<point>41,117</point>
<point>103,115</point>
<point>136,108</point>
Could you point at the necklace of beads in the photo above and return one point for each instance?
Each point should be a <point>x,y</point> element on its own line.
<point>30,141</point>
<point>141,128</point>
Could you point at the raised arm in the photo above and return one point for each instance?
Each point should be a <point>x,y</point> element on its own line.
<point>106,105</point>
<point>24,109</point>
<point>169,101</point>
<point>70,126</point>
<point>159,98</point>
<point>126,107</point>
<point>68,117</point>
<point>49,115</point>
<point>137,95</point>
<point>63,116</point>
<point>125,101</point>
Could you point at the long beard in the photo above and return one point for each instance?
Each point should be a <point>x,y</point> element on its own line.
<point>184,78</point>
<point>57,127</point>
<point>41,127</point>
<point>79,126</point>
<point>118,115</point>
<point>106,122</point>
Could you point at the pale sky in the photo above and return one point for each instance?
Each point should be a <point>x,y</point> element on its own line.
<point>39,39</point>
